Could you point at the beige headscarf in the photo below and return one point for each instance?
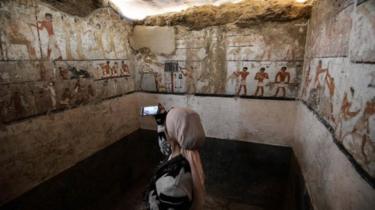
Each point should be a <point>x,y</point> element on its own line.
<point>184,126</point>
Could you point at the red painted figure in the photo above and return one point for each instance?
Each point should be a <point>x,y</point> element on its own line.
<point>282,80</point>
<point>52,43</point>
<point>124,68</point>
<point>243,75</point>
<point>106,69</point>
<point>260,76</point>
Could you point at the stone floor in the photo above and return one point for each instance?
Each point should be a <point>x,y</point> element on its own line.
<point>257,177</point>
<point>133,199</point>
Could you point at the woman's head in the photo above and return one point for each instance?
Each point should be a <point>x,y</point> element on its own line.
<point>184,126</point>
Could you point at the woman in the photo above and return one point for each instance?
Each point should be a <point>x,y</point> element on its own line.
<point>160,117</point>
<point>179,183</point>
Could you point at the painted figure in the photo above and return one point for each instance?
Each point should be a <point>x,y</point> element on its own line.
<point>190,83</point>
<point>14,36</point>
<point>112,46</point>
<point>114,69</point>
<point>243,75</point>
<point>52,93</point>
<point>260,76</point>
<point>79,33</point>
<point>234,79</point>
<point>98,39</point>
<point>319,71</point>
<point>361,134</point>
<point>306,81</point>
<point>323,80</point>
<point>282,80</point>
<point>345,108</point>
<point>52,43</point>
<point>345,114</point>
<point>105,69</point>
<point>124,69</point>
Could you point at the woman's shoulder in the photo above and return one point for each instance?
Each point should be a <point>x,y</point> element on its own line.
<point>174,166</point>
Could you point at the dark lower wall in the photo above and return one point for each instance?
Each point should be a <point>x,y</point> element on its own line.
<point>34,150</point>
<point>99,181</point>
<point>254,174</point>
<point>116,177</point>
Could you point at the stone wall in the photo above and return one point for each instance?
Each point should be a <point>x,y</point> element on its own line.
<point>338,79</point>
<point>64,88</point>
<point>338,86</point>
<point>331,179</point>
<point>210,59</point>
<point>262,121</point>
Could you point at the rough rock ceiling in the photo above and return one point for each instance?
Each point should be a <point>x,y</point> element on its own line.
<point>139,9</point>
<point>242,14</point>
<point>195,14</point>
<point>76,7</point>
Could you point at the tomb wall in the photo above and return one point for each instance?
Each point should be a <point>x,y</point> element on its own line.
<point>335,129</point>
<point>65,90</point>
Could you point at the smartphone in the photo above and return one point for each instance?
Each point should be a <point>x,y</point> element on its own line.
<point>149,110</point>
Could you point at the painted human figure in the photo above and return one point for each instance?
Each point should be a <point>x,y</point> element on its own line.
<point>330,82</point>
<point>319,71</point>
<point>306,81</point>
<point>345,108</point>
<point>106,69</point>
<point>52,43</point>
<point>260,76</point>
<point>124,69</point>
<point>52,93</point>
<point>234,79</point>
<point>13,34</point>
<point>190,83</point>
<point>114,69</point>
<point>323,80</point>
<point>345,114</point>
<point>79,33</point>
<point>361,132</point>
<point>243,75</point>
<point>282,80</point>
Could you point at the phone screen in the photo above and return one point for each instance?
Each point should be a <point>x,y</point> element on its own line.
<point>150,110</point>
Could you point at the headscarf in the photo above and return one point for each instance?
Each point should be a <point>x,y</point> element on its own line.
<point>184,126</point>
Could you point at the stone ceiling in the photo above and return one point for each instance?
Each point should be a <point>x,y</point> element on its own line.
<point>76,7</point>
<point>243,14</point>
<point>195,14</point>
<point>139,9</point>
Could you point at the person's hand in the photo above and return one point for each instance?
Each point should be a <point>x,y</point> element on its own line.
<point>159,118</point>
